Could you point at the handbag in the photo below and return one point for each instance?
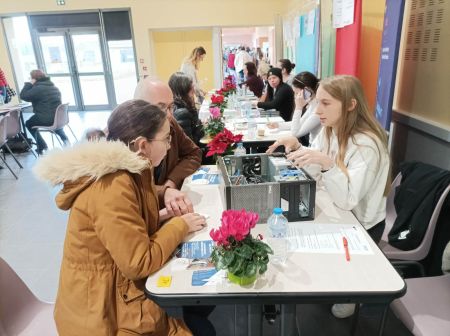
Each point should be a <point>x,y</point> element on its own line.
<point>10,92</point>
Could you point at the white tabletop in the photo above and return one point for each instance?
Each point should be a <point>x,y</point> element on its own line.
<point>304,277</point>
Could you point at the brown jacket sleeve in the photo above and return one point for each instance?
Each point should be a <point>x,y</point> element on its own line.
<point>183,158</point>
<point>120,227</point>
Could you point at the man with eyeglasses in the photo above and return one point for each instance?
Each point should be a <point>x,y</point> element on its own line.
<point>183,158</point>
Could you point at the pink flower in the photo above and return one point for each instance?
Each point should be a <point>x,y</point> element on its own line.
<point>215,112</point>
<point>235,224</point>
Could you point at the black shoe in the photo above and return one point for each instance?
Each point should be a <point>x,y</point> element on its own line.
<point>41,151</point>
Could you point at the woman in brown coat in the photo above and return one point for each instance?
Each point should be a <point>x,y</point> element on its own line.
<point>114,239</point>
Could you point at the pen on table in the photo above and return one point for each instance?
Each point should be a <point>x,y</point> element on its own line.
<point>347,253</point>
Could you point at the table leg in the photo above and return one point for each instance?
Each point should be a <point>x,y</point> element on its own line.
<point>255,320</point>
<point>355,319</point>
<point>288,317</point>
<point>383,320</point>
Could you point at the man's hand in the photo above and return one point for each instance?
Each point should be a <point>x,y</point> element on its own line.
<point>290,143</point>
<point>177,203</point>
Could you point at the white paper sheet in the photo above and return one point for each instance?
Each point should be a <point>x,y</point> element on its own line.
<point>327,238</point>
<point>343,13</point>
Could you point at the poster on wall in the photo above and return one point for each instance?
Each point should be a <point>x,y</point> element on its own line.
<point>343,13</point>
<point>390,45</point>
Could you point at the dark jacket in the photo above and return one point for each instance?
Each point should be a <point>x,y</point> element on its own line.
<point>415,199</point>
<point>282,101</point>
<point>189,122</point>
<point>44,96</point>
<point>255,84</point>
<point>183,158</point>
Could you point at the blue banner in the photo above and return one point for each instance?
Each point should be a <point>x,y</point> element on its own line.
<point>393,18</point>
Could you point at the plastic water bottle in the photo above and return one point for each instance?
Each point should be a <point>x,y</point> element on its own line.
<point>278,225</point>
<point>252,126</point>
<point>240,149</point>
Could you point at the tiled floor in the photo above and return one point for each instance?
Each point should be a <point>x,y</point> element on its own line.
<point>32,233</point>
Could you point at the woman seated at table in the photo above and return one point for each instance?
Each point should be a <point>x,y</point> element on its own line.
<point>349,157</point>
<point>280,96</point>
<point>252,80</point>
<point>114,237</point>
<point>185,112</point>
<point>305,124</point>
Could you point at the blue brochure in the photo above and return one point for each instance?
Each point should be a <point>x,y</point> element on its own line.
<point>200,278</point>
<point>197,249</point>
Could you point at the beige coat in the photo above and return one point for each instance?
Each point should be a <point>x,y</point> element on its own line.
<point>113,242</point>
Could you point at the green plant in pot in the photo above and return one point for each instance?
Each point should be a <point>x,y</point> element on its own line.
<point>236,250</point>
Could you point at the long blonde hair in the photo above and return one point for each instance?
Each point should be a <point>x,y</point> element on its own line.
<point>194,57</point>
<point>354,121</point>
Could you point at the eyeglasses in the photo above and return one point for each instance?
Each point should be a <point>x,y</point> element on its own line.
<point>167,108</point>
<point>167,139</point>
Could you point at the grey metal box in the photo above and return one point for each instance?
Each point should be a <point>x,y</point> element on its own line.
<point>296,198</point>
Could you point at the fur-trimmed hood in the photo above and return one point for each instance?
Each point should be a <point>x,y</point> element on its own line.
<point>79,166</point>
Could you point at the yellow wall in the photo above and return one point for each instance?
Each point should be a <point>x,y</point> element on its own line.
<point>159,14</point>
<point>369,53</point>
<point>171,47</point>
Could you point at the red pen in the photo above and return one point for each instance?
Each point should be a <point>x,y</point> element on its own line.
<point>347,253</point>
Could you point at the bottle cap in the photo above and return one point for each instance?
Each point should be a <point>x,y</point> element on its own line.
<point>277,211</point>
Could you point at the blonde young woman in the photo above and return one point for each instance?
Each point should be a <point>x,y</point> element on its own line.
<point>190,68</point>
<point>349,157</point>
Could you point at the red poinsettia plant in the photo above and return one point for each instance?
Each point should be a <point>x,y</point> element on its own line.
<point>217,100</point>
<point>236,249</point>
<point>223,143</point>
<point>228,86</point>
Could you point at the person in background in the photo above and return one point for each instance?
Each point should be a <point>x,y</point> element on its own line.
<point>349,157</point>
<point>190,68</point>
<point>115,239</point>
<point>253,82</point>
<point>286,69</point>
<point>185,112</point>
<point>305,124</point>
<point>230,64</point>
<point>183,158</point>
<point>240,59</point>
<point>280,96</point>
<point>263,69</point>
<point>94,134</point>
<point>45,98</point>
<point>3,84</point>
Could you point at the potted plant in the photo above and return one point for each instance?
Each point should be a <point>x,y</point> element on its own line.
<point>223,143</point>
<point>236,250</point>
<point>215,124</point>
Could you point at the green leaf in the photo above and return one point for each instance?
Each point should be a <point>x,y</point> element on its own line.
<point>245,251</point>
<point>228,257</point>
<point>262,269</point>
<point>250,270</point>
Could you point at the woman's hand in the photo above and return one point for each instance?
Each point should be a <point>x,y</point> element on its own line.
<point>300,101</point>
<point>306,156</point>
<point>177,203</point>
<point>194,221</point>
<point>272,125</point>
<point>290,143</point>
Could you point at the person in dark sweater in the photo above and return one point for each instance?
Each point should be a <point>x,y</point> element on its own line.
<point>280,96</point>
<point>45,98</point>
<point>185,112</point>
<point>253,81</point>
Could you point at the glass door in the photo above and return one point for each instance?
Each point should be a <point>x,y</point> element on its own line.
<point>89,69</point>
<point>76,64</point>
<point>55,57</point>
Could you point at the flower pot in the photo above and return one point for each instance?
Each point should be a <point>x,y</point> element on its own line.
<point>243,281</point>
